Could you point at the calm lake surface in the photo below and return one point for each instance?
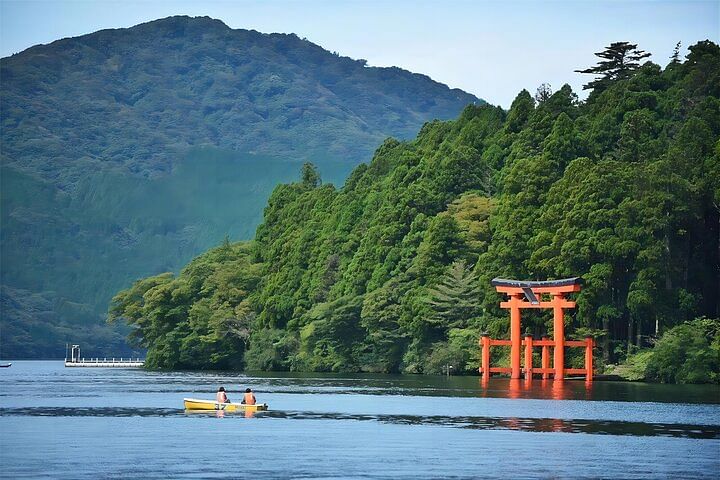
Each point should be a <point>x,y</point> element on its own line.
<point>78,423</point>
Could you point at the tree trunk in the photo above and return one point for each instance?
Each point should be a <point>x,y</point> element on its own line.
<point>686,260</point>
<point>668,263</point>
<point>606,341</point>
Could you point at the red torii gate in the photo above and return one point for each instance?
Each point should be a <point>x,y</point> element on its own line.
<point>533,293</point>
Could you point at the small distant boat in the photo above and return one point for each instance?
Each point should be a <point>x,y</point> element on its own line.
<point>5,365</point>
<point>195,404</point>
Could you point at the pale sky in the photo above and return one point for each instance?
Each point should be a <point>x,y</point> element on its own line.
<point>492,49</point>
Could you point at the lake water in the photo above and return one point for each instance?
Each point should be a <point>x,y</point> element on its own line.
<point>86,423</point>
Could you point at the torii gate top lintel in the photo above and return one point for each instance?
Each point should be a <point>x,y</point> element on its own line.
<point>565,285</point>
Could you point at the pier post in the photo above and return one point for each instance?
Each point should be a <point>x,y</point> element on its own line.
<point>588,359</point>
<point>528,357</point>
<point>545,363</point>
<point>485,341</point>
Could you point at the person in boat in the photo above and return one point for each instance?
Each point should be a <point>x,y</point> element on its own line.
<point>248,398</point>
<point>222,396</point>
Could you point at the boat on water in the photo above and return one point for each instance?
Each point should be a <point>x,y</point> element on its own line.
<point>5,365</point>
<point>195,404</point>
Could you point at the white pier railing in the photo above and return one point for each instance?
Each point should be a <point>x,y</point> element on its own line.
<point>76,361</point>
<point>105,362</point>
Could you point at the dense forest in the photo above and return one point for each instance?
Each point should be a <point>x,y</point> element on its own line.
<point>128,152</point>
<point>392,271</point>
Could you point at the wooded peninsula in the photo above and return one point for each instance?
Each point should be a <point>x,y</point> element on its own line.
<point>391,272</point>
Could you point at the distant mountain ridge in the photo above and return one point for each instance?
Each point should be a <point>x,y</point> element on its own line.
<point>136,97</point>
<point>127,152</point>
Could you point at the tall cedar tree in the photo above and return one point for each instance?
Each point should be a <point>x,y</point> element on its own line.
<point>675,57</point>
<point>310,175</point>
<point>455,299</point>
<point>621,59</point>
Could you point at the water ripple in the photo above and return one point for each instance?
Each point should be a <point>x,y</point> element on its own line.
<point>596,427</point>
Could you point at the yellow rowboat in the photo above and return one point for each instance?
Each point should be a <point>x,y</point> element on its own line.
<point>195,404</point>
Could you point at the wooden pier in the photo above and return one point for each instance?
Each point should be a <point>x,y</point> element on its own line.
<point>76,361</point>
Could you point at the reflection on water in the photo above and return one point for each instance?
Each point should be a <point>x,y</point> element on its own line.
<point>87,381</point>
<point>537,388</point>
<point>210,413</point>
<point>606,427</point>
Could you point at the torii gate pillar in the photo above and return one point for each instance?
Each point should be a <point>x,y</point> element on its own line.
<point>558,336</point>
<point>515,347</point>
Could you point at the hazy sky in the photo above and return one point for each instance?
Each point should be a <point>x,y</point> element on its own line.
<point>492,49</point>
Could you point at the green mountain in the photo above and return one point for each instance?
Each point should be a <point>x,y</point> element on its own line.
<point>392,271</point>
<point>124,153</point>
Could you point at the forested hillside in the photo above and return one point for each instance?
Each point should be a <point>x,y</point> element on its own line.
<point>392,271</point>
<point>127,152</point>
